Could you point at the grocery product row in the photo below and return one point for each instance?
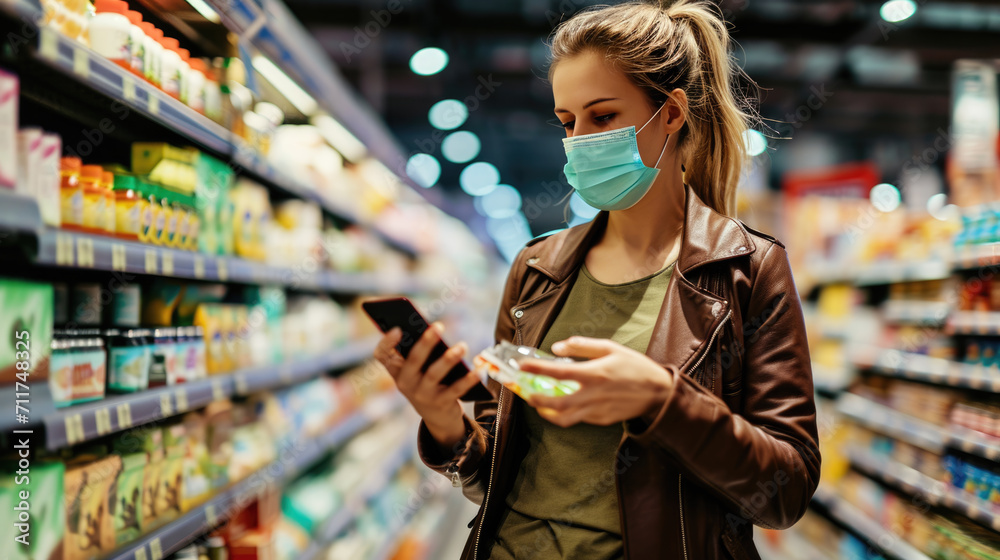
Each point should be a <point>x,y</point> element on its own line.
<point>175,197</point>
<point>161,346</point>
<point>251,133</point>
<point>97,498</point>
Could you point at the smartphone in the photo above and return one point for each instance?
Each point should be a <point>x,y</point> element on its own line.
<point>400,312</point>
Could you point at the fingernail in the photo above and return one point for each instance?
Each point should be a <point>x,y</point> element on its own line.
<point>439,327</point>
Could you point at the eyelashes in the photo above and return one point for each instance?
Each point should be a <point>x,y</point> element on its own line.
<point>600,119</point>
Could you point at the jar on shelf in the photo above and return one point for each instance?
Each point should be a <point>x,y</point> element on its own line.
<point>128,207</point>
<point>108,186</point>
<point>170,67</point>
<point>109,31</point>
<point>70,192</point>
<point>136,43</point>
<point>91,177</point>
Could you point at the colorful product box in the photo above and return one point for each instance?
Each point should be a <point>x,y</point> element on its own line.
<point>48,179</point>
<point>9,87</point>
<point>89,503</point>
<point>128,501</point>
<point>26,321</point>
<point>47,521</point>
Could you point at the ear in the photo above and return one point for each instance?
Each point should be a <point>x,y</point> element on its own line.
<point>674,114</point>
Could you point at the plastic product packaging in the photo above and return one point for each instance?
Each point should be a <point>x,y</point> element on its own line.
<point>8,129</point>
<point>501,363</point>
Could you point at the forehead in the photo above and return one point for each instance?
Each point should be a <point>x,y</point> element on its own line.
<point>587,76</point>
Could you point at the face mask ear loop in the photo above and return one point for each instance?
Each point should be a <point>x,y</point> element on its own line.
<point>653,117</point>
<point>663,151</point>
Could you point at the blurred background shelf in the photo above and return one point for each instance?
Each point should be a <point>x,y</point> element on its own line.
<point>85,422</point>
<point>196,522</point>
<point>918,367</point>
<point>914,482</point>
<point>878,537</point>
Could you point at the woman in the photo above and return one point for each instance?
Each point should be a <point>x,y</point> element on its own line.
<point>695,419</point>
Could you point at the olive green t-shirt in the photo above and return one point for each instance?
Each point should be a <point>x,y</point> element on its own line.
<point>564,504</point>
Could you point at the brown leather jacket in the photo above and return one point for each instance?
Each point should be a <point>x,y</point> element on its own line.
<point>734,446</point>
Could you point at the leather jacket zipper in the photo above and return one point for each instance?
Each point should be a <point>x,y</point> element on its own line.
<point>680,477</point>
<point>680,500</point>
<point>708,347</point>
<point>493,463</point>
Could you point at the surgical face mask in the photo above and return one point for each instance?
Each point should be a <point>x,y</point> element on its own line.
<point>606,170</point>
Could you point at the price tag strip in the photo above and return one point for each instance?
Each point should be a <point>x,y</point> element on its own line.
<point>182,400</point>
<point>166,408</point>
<point>199,267</point>
<point>85,252</point>
<point>167,263</point>
<point>119,259</point>
<point>103,419</point>
<point>151,262</point>
<point>124,416</point>
<point>74,429</point>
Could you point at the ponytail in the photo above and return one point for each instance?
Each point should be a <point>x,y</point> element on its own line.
<point>676,44</point>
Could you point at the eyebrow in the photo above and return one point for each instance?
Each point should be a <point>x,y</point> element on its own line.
<point>589,103</point>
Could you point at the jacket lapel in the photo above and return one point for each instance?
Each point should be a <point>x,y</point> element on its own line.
<point>689,315</point>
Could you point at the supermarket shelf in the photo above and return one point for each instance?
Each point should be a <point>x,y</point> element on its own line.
<point>850,516</point>
<point>912,481</point>
<point>916,312</point>
<point>917,367</point>
<point>891,272</point>
<point>397,530</point>
<point>795,546</point>
<point>181,532</point>
<point>77,60</point>
<point>355,504</point>
<point>26,10</point>
<point>831,381</point>
<point>76,424</point>
<point>975,256</point>
<point>74,59</point>
<point>892,423</point>
<point>976,443</point>
<point>885,272</point>
<point>270,26</point>
<point>974,322</point>
<point>80,250</point>
<point>916,431</point>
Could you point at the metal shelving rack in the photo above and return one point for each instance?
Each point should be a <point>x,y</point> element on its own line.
<point>48,57</point>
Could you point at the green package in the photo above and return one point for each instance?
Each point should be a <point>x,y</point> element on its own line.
<point>47,522</point>
<point>26,327</point>
<point>127,508</point>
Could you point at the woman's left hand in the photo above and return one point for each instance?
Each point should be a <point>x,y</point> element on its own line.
<point>616,383</point>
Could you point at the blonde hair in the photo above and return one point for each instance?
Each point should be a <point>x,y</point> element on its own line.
<point>682,44</point>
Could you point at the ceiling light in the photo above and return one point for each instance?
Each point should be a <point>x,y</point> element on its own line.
<point>755,142</point>
<point>502,202</point>
<point>295,95</point>
<point>479,178</point>
<point>460,147</point>
<point>885,197</point>
<point>424,169</point>
<point>895,11</point>
<point>340,138</point>
<point>448,114</point>
<point>205,10</point>
<point>428,61</point>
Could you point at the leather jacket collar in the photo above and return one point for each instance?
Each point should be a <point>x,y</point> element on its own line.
<point>708,237</point>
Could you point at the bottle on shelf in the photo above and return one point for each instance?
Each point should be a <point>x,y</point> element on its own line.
<point>110,32</point>
<point>71,192</point>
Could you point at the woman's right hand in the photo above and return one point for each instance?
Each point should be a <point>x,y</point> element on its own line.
<point>437,404</point>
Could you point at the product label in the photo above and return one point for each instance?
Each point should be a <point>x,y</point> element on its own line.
<point>88,376</point>
<point>61,378</point>
<point>129,368</point>
<point>93,210</point>
<point>128,214</point>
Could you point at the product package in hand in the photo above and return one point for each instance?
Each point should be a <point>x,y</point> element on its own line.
<point>502,363</point>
